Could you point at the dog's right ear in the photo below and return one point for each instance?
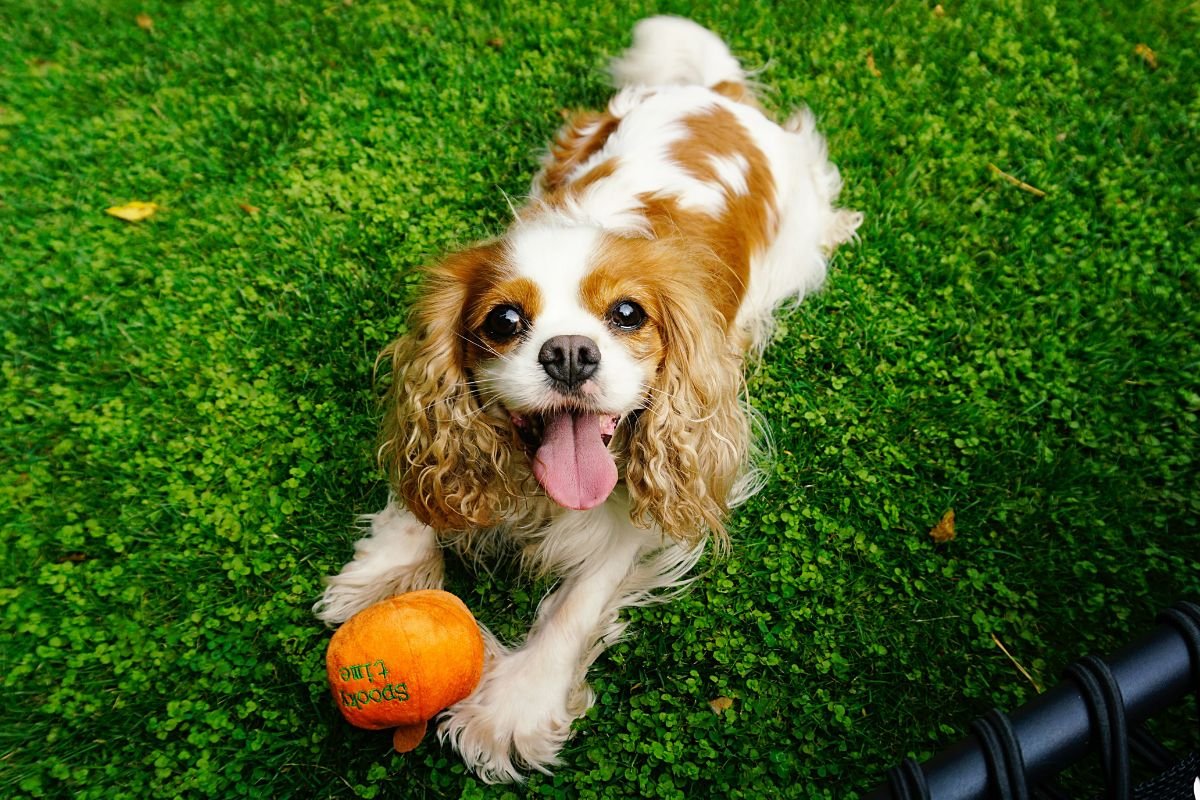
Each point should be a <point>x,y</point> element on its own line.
<point>443,455</point>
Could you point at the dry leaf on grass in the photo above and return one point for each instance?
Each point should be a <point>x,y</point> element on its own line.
<point>1016,663</point>
<point>721,704</point>
<point>1017,182</point>
<point>938,11</point>
<point>871,68</point>
<point>944,531</point>
<point>145,22</point>
<point>249,209</point>
<point>133,212</point>
<point>1148,55</point>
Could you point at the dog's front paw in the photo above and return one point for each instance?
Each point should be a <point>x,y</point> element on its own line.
<point>356,588</point>
<point>399,554</point>
<point>517,719</point>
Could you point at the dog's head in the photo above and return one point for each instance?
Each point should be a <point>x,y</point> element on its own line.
<point>580,356</point>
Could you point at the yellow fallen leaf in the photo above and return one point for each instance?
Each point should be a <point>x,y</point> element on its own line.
<point>145,22</point>
<point>720,704</point>
<point>944,531</point>
<point>1148,55</point>
<point>133,212</point>
<point>871,68</point>
<point>249,209</point>
<point>938,11</point>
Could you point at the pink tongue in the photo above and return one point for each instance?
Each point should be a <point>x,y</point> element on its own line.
<point>572,464</point>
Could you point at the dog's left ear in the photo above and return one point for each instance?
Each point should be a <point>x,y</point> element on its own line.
<point>691,441</point>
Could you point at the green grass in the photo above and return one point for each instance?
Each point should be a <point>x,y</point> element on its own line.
<point>187,412</point>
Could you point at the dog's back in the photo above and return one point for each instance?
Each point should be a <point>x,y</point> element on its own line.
<point>685,150</point>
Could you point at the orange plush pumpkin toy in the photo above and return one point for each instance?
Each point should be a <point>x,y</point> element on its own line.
<point>401,661</point>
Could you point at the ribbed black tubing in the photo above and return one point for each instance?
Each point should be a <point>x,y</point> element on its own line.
<point>1053,728</point>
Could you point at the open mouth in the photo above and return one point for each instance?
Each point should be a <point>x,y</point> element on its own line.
<point>531,428</point>
<point>569,451</point>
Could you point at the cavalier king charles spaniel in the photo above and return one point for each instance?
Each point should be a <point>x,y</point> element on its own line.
<point>572,391</point>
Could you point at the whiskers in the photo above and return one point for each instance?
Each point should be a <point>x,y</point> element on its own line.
<point>475,340</point>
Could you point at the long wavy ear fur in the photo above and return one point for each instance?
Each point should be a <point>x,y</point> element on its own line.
<point>692,439</point>
<point>443,455</point>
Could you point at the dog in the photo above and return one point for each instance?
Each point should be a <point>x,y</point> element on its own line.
<point>573,391</point>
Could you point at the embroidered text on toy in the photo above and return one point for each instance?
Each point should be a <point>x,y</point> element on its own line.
<point>359,671</point>
<point>393,692</point>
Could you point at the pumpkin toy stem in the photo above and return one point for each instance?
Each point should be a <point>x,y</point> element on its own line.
<point>407,737</point>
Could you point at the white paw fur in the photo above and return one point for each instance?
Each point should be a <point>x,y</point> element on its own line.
<point>400,554</point>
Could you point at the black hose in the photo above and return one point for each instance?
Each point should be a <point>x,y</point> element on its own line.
<point>1054,730</point>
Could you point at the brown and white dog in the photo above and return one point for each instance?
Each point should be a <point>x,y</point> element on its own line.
<point>573,389</point>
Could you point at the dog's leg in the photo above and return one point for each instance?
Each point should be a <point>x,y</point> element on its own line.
<point>521,713</point>
<point>399,554</point>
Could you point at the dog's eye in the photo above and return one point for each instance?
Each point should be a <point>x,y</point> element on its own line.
<point>627,315</point>
<point>503,322</point>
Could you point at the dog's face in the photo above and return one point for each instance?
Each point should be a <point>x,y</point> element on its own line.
<point>578,356</point>
<point>567,340</point>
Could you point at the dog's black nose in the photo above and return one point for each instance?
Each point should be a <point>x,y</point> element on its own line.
<point>569,360</point>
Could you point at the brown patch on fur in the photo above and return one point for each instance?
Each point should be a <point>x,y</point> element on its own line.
<point>737,92</point>
<point>583,135</point>
<point>726,281</point>
<point>633,269</point>
<point>597,173</point>
<point>573,189</point>
<point>746,225</point>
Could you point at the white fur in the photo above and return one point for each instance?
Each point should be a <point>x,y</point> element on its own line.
<point>521,713</point>
<point>671,50</point>
<point>809,226</point>
<point>399,554</point>
<point>731,171</point>
<point>650,123</point>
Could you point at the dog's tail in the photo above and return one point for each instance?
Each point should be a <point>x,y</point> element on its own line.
<point>673,51</point>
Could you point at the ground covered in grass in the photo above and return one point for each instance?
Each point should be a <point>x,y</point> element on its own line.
<point>187,410</point>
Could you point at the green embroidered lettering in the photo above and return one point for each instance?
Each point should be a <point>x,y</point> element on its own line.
<point>370,671</point>
<point>391,693</point>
